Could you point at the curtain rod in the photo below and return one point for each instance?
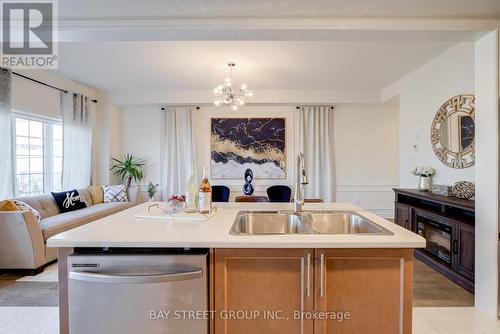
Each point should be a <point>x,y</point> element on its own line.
<point>43,83</point>
<point>298,107</point>
<point>163,108</point>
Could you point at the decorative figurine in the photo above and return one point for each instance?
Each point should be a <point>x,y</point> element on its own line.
<point>247,187</point>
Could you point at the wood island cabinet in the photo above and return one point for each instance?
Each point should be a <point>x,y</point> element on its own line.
<point>263,280</point>
<point>335,290</point>
<point>373,285</point>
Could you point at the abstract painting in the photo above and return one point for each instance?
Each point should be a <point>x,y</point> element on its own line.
<point>466,131</point>
<point>241,143</point>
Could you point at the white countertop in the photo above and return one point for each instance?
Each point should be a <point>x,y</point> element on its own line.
<point>123,229</point>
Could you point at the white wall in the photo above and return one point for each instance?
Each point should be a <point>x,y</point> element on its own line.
<point>107,139</point>
<point>367,156</point>
<point>29,96</point>
<point>366,148</point>
<point>421,94</point>
<point>107,126</point>
<point>142,138</point>
<point>487,180</point>
<point>56,80</point>
<point>261,97</point>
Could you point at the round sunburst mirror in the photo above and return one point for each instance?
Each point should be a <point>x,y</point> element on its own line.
<point>452,132</point>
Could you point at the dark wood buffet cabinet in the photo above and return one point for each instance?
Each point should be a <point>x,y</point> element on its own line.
<point>447,223</point>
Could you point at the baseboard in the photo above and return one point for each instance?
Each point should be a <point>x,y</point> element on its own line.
<point>23,272</point>
<point>26,271</point>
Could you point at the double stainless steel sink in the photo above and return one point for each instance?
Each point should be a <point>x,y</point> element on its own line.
<point>304,222</point>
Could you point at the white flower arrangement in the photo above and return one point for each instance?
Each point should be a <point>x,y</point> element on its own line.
<point>423,171</point>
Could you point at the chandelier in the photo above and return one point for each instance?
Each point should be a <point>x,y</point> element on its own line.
<point>227,94</point>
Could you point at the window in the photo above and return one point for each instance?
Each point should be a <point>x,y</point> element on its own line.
<point>38,155</point>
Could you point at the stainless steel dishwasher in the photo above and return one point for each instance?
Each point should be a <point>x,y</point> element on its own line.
<point>137,293</point>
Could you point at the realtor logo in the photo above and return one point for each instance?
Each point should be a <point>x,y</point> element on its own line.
<point>28,34</point>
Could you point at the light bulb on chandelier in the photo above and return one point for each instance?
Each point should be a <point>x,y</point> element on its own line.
<point>226,94</point>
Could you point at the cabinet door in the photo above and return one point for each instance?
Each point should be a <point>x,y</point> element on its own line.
<point>463,248</point>
<point>402,216</point>
<point>277,281</point>
<point>371,286</point>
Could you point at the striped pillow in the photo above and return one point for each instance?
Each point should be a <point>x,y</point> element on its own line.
<point>115,193</point>
<point>25,207</point>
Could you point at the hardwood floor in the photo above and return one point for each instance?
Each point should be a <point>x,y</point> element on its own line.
<point>453,320</point>
<point>7,280</point>
<point>29,320</point>
<point>431,289</point>
<point>439,307</point>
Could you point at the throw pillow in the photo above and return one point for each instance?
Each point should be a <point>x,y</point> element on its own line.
<point>70,200</point>
<point>97,194</point>
<point>8,205</point>
<point>115,193</point>
<point>25,207</point>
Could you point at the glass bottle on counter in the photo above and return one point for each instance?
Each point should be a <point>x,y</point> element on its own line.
<point>205,194</point>
<point>191,193</point>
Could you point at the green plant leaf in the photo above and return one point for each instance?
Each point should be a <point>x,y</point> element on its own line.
<point>130,166</point>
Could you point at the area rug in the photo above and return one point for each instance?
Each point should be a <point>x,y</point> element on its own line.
<point>49,274</point>
<point>29,294</point>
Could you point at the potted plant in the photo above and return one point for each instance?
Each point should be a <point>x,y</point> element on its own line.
<point>152,189</point>
<point>425,177</point>
<point>130,168</point>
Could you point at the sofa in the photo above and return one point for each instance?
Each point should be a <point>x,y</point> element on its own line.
<point>23,240</point>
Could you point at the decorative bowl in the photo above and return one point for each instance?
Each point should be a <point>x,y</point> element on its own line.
<point>175,203</point>
<point>464,190</point>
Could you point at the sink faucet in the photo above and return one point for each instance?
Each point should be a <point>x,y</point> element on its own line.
<point>298,200</point>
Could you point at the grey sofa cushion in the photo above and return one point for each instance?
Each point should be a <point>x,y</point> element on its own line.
<point>85,193</point>
<point>65,221</point>
<point>46,205</point>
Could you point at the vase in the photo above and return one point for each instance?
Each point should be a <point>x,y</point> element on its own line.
<point>248,187</point>
<point>425,183</point>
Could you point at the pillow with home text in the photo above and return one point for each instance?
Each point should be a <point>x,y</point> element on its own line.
<point>70,200</point>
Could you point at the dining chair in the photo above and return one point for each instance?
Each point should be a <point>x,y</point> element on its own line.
<point>280,194</point>
<point>220,194</point>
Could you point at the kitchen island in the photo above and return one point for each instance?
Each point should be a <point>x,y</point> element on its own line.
<point>293,283</point>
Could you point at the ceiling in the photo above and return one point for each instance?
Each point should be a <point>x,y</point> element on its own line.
<point>102,46</point>
<point>276,8</point>
<point>335,65</point>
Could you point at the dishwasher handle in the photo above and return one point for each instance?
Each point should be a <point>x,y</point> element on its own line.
<point>135,279</point>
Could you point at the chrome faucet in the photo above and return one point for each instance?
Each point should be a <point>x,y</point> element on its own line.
<point>298,200</point>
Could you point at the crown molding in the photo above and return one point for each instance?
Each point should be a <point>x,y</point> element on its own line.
<point>222,28</point>
<point>337,23</point>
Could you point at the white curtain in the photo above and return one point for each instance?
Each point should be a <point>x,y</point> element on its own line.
<point>178,149</point>
<point>6,173</point>
<point>77,112</point>
<point>316,141</point>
